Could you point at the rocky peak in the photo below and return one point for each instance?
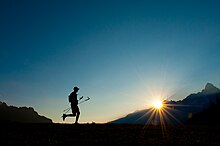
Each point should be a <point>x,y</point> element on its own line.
<point>210,89</point>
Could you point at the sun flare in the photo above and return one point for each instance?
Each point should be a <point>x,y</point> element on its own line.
<point>157,104</point>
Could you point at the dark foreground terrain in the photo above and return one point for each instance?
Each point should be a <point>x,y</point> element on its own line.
<point>107,134</point>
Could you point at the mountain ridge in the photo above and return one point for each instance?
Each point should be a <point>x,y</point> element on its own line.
<point>13,114</point>
<point>177,112</point>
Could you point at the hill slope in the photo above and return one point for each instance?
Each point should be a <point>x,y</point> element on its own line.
<point>20,114</point>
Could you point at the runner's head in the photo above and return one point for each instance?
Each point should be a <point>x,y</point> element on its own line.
<point>76,89</point>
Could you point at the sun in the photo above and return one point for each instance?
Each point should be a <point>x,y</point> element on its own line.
<point>158,104</point>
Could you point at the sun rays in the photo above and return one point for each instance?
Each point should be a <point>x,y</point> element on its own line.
<point>161,114</point>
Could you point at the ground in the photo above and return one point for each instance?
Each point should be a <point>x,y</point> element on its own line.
<point>107,134</point>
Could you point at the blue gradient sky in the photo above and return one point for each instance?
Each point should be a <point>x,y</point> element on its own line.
<point>121,53</point>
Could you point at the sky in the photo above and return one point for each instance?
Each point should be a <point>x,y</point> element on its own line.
<point>122,54</point>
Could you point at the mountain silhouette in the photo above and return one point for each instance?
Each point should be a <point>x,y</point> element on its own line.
<point>175,112</point>
<point>207,96</point>
<point>208,116</point>
<point>12,114</point>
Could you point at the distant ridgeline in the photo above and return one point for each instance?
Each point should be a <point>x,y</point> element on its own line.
<point>194,109</point>
<point>12,114</point>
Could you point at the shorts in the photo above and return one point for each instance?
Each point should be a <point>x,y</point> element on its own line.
<point>75,109</point>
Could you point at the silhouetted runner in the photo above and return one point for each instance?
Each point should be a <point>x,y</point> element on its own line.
<point>74,105</point>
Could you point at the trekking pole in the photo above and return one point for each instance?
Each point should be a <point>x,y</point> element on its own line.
<point>66,110</point>
<point>80,98</point>
<point>84,100</point>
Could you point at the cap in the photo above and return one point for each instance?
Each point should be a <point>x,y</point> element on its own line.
<point>75,88</point>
